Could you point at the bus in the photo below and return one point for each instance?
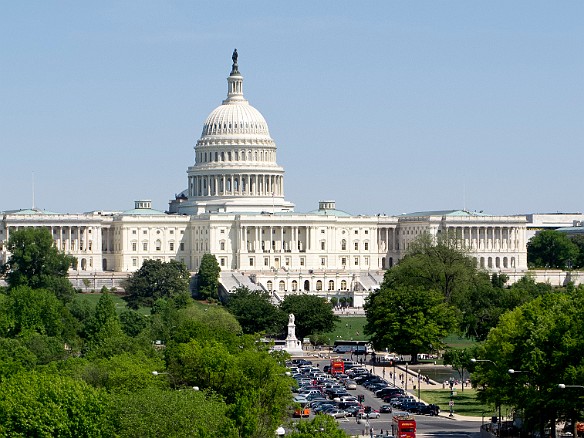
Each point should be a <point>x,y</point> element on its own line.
<point>355,347</point>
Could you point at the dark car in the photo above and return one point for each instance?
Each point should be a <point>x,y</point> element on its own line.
<point>431,410</point>
<point>385,409</point>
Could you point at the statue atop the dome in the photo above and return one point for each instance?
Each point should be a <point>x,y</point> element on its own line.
<point>234,67</point>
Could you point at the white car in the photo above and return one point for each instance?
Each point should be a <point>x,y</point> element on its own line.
<point>337,413</point>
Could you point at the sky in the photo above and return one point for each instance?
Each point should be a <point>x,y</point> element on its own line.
<point>383,106</point>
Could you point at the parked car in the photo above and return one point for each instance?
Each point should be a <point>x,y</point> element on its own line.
<point>350,384</point>
<point>337,413</point>
<point>385,409</point>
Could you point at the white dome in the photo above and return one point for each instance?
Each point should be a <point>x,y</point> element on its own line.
<point>235,118</point>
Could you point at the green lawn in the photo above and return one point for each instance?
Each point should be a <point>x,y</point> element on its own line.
<point>465,402</point>
<point>120,304</point>
<point>350,328</point>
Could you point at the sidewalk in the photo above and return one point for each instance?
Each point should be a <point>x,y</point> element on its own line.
<point>410,384</point>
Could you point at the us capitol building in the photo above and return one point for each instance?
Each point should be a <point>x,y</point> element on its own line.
<point>234,208</point>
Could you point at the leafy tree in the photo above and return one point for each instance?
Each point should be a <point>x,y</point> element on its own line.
<point>255,312</point>
<point>26,309</point>
<point>252,382</point>
<point>313,314</point>
<point>408,320</point>
<point>208,277</point>
<point>159,413</point>
<point>14,358</point>
<point>133,323</point>
<point>43,405</point>
<point>156,279</point>
<point>551,249</point>
<point>460,359</point>
<point>36,262</point>
<point>323,426</point>
<point>578,240</point>
<point>543,339</point>
<point>435,265</point>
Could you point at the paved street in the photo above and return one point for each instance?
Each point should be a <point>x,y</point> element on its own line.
<point>440,426</point>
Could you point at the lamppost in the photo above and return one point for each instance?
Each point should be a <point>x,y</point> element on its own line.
<point>564,386</point>
<point>451,381</point>
<point>419,385</point>
<point>473,360</point>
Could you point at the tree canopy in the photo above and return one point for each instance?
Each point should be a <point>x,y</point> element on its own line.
<point>313,314</point>
<point>156,279</point>
<point>408,320</point>
<point>542,340</point>
<point>551,249</point>
<point>208,277</point>
<point>255,312</point>
<point>35,261</point>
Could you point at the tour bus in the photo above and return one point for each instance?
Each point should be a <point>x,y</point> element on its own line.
<point>355,347</point>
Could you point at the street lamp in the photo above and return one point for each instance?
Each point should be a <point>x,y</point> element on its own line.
<point>512,371</point>
<point>473,360</point>
<point>564,386</point>
<point>451,396</point>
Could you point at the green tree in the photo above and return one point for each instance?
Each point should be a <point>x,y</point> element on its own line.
<point>36,262</point>
<point>208,277</point>
<point>440,264</point>
<point>26,309</point>
<point>156,279</point>
<point>43,405</point>
<point>14,358</point>
<point>542,340</point>
<point>323,426</point>
<point>133,323</point>
<point>551,249</point>
<point>255,312</point>
<point>159,413</point>
<point>578,240</point>
<point>408,320</point>
<point>312,314</point>
<point>460,359</point>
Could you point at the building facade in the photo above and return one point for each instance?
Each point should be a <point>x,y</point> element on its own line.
<point>234,207</point>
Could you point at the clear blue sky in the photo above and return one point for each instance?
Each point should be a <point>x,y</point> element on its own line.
<point>384,106</point>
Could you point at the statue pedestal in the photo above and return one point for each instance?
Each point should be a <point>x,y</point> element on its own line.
<point>293,345</point>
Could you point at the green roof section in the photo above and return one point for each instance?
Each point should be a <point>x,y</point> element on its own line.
<point>29,211</point>
<point>451,213</point>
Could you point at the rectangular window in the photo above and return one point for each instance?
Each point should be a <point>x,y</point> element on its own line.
<point>222,261</point>
<point>322,245</point>
<point>134,246</point>
<point>134,232</point>
<point>145,232</point>
<point>301,261</point>
<point>356,261</point>
<point>182,246</point>
<point>322,261</point>
<point>171,231</point>
<point>287,261</point>
<point>266,261</point>
<point>171,246</point>
<point>344,261</point>
<point>145,246</point>
<point>134,262</point>
<point>356,246</point>
<point>182,231</point>
<point>366,246</point>
<point>251,261</point>
<point>356,231</point>
<point>367,261</point>
<point>366,231</point>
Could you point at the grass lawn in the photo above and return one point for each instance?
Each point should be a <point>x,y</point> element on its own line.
<point>465,402</point>
<point>350,328</point>
<point>120,304</point>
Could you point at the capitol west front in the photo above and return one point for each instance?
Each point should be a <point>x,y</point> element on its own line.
<point>234,207</point>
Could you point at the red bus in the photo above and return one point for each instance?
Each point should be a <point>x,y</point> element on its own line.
<point>337,367</point>
<point>404,426</point>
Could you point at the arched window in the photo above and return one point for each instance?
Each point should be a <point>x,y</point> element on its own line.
<point>222,245</point>
<point>331,285</point>
<point>269,285</point>
<point>306,285</point>
<point>343,284</point>
<point>294,285</point>
<point>319,285</point>
<point>158,245</point>
<point>343,245</point>
<point>281,286</point>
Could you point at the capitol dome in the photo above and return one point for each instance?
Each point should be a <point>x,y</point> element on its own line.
<point>235,118</point>
<point>235,167</point>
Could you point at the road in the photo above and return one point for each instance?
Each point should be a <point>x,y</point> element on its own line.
<point>440,426</point>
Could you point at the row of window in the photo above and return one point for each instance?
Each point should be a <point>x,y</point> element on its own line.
<point>209,157</point>
<point>157,246</point>
<point>134,232</point>
<point>294,285</point>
